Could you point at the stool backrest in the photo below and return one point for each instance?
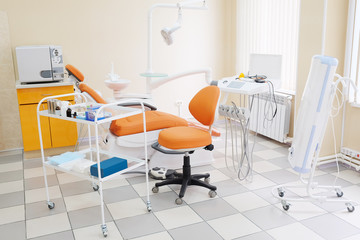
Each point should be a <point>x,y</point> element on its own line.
<point>203,105</point>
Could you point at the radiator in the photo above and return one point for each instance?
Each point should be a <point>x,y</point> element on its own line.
<point>278,128</point>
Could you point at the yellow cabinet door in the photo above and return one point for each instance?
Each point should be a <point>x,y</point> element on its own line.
<point>29,128</point>
<point>63,133</point>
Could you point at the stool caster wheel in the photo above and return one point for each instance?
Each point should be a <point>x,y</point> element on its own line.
<point>178,201</point>
<point>350,207</point>
<point>285,205</point>
<point>96,187</point>
<point>339,193</point>
<point>155,189</point>
<point>212,194</point>
<point>207,180</point>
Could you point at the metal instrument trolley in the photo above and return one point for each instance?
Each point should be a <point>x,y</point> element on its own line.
<point>95,149</point>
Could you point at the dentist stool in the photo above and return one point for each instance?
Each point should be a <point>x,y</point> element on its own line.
<point>185,140</point>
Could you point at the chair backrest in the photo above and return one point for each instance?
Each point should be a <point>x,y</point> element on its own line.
<point>203,105</point>
<point>97,98</point>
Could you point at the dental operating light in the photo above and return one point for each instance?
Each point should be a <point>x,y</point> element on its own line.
<point>168,31</point>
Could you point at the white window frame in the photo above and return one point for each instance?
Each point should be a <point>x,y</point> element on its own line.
<point>352,63</point>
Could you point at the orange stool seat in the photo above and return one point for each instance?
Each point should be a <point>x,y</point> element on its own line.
<point>154,120</point>
<point>184,138</point>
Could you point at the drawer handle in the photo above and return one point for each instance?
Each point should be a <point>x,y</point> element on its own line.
<point>46,94</point>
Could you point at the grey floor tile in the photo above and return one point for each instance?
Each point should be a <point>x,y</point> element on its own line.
<point>256,236</point>
<point>282,162</point>
<point>119,194</point>
<point>68,235</point>
<point>39,182</point>
<point>217,154</point>
<point>136,179</point>
<point>88,217</point>
<point>283,150</point>
<point>33,163</point>
<point>11,158</point>
<point>76,188</point>
<point>11,176</point>
<point>332,167</point>
<point>268,217</point>
<point>229,187</point>
<point>130,228</point>
<point>331,227</point>
<point>13,231</point>
<point>230,172</point>
<point>12,199</point>
<point>328,179</point>
<point>195,231</point>
<point>161,201</point>
<point>214,208</point>
<point>202,169</point>
<point>281,176</point>
<point>40,209</point>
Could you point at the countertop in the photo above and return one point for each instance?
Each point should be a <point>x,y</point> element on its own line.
<point>41,85</point>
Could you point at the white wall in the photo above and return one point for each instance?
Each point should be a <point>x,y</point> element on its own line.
<point>94,33</point>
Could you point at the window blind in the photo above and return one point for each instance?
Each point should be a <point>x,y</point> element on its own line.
<point>269,27</point>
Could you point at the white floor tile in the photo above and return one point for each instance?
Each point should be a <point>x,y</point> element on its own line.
<point>220,162</point>
<point>264,166</point>
<point>295,231</point>
<point>194,194</point>
<point>37,172</point>
<point>128,208</point>
<point>9,187</point>
<point>270,144</point>
<point>268,154</point>
<point>233,226</point>
<point>39,194</point>
<point>177,217</point>
<point>7,167</point>
<point>257,182</point>
<point>81,201</point>
<point>217,176</point>
<point>156,236</point>
<point>47,225</point>
<point>352,193</point>
<point>349,175</point>
<point>116,182</point>
<point>64,178</point>
<point>12,214</point>
<point>140,188</point>
<point>246,201</point>
<point>303,210</point>
<point>95,232</point>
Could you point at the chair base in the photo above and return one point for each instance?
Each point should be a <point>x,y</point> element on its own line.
<point>186,179</point>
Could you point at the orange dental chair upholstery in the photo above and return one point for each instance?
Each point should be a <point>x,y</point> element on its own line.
<point>133,124</point>
<point>185,140</point>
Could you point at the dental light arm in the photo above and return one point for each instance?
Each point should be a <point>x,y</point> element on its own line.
<point>158,82</point>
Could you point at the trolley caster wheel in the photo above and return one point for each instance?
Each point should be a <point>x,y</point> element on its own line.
<point>155,189</point>
<point>339,193</point>
<point>285,205</point>
<point>207,180</point>
<point>281,192</point>
<point>148,206</point>
<point>178,201</point>
<point>350,207</point>
<point>212,194</point>
<point>51,205</point>
<point>104,230</point>
<point>95,188</point>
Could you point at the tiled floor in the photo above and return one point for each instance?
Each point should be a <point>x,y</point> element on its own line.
<point>241,210</point>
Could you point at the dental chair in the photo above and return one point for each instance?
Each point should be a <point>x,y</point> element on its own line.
<point>185,140</point>
<point>126,134</point>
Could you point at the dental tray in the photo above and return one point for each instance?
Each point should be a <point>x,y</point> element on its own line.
<point>109,166</point>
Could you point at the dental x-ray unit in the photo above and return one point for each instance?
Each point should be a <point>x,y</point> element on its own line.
<point>312,118</point>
